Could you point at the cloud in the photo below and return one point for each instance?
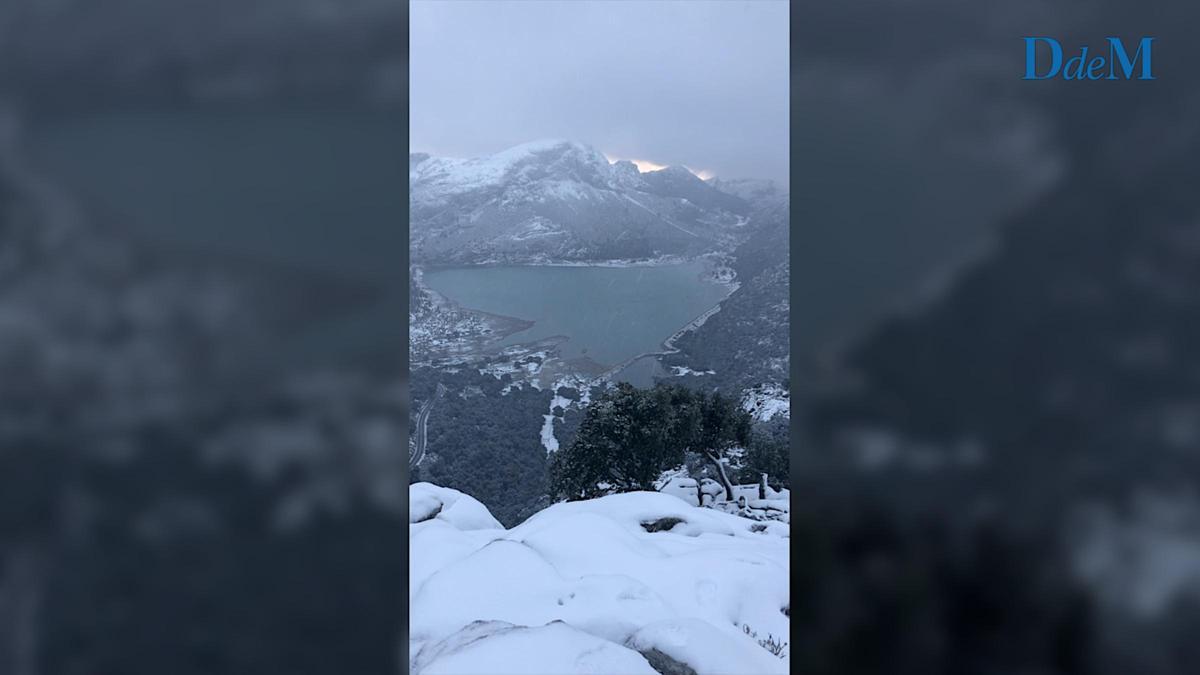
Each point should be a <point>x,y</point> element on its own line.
<point>694,84</point>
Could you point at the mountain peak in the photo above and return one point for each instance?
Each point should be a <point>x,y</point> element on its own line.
<point>561,199</point>
<point>754,190</point>
<point>547,146</point>
<point>677,170</point>
<point>679,181</point>
<point>541,144</point>
<point>415,158</point>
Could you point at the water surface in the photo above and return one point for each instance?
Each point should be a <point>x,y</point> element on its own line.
<point>608,314</point>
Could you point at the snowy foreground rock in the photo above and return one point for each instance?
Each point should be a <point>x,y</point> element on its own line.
<point>626,584</point>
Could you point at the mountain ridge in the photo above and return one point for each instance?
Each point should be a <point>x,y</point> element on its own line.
<point>555,199</point>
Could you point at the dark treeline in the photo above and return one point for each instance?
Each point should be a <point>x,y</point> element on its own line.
<point>630,436</point>
<point>488,444</point>
<point>484,439</point>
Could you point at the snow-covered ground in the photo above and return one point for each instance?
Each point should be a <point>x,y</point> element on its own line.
<point>581,384</point>
<point>776,505</point>
<point>629,583</point>
<point>548,440</point>
<point>680,371</point>
<point>517,362</point>
<point>442,177</point>
<point>656,261</point>
<point>766,401</point>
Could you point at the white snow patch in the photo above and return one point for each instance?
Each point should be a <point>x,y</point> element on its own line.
<point>591,565</point>
<point>683,487</point>
<point>504,649</point>
<point>548,440</point>
<point>439,178</point>
<point>426,501</point>
<point>766,401</point>
<point>680,371</point>
<point>536,228</point>
<point>715,652</point>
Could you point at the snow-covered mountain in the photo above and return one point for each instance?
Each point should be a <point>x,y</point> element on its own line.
<point>562,200</point>
<point>629,583</point>
<point>758,192</point>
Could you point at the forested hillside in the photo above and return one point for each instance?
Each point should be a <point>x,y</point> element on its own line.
<point>746,343</point>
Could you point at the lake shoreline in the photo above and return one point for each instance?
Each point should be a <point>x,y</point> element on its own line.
<point>715,268</point>
<point>711,268</point>
<point>483,342</point>
<point>660,261</point>
<point>668,344</point>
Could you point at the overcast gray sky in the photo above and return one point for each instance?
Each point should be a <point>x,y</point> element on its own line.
<point>703,83</point>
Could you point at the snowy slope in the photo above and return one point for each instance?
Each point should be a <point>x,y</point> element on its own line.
<point>561,200</point>
<point>760,193</point>
<point>584,587</point>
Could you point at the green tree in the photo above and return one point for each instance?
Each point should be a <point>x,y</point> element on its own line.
<point>626,437</point>
<point>723,426</point>
<point>769,452</point>
<point>629,436</point>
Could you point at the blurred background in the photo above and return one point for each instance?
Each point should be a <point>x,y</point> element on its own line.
<point>202,336</point>
<point>996,302</point>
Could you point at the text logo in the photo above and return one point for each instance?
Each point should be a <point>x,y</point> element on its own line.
<point>1044,60</point>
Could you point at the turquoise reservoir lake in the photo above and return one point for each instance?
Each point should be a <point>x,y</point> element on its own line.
<point>607,314</point>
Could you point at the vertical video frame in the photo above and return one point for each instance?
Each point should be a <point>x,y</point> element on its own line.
<point>599,337</point>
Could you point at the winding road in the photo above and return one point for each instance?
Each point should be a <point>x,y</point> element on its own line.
<point>418,450</point>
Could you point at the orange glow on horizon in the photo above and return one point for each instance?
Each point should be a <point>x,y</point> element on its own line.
<point>645,165</point>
